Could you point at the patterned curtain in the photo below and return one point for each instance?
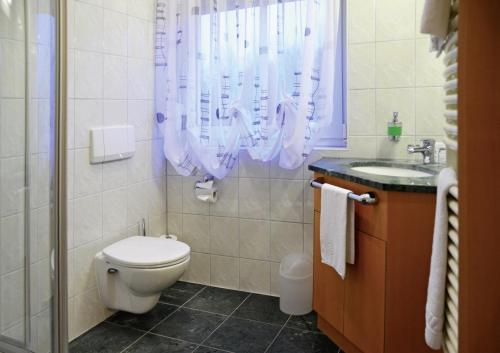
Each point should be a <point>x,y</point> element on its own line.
<point>244,74</point>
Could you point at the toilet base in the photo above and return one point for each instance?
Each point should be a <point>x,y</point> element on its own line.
<point>133,290</point>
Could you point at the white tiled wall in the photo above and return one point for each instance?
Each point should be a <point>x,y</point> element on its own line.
<point>391,69</point>
<point>265,212</point>
<point>111,67</point>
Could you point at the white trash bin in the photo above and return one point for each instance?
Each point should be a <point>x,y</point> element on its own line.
<point>296,284</point>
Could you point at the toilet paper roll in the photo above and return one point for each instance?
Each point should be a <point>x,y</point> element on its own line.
<point>206,195</point>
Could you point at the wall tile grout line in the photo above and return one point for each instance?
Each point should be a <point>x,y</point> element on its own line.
<point>165,318</point>
<point>248,218</point>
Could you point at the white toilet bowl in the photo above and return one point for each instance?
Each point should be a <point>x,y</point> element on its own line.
<point>132,272</point>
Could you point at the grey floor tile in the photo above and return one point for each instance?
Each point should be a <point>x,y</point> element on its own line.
<point>295,341</point>
<point>262,308</point>
<point>203,349</point>
<point>304,322</point>
<point>189,325</point>
<point>156,344</point>
<point>143,321</point>
<point>243,336</point>
<point>217,300</point>
<point>180,293</point>
<point>105,338</point>
<point>252,329</point>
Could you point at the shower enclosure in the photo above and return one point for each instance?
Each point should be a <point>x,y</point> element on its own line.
<point>32,263</point>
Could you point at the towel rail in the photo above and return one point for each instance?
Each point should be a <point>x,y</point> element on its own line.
<point>366,199</point>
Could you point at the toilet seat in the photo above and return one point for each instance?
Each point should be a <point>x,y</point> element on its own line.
<point>147,252</point>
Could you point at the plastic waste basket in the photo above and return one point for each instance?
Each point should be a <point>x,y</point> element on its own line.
<point>296,284</point>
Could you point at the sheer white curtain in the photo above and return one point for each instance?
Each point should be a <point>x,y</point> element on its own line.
<point>244,74</point>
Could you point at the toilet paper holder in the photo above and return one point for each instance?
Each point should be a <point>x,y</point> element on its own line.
<point>206,183</point>
<point>205,190</point>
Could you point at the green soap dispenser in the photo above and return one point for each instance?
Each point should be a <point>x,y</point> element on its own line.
<point>394,128</point>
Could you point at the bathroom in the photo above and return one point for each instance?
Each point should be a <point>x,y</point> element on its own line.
<point>122,231</point>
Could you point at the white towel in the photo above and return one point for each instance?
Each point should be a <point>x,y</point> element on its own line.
<point>336,228</point>
<point>436,291</point>
<point>435,20</point>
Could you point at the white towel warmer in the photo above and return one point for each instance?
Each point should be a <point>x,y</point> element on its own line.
<point>451,85</point>
<point>450,334</point>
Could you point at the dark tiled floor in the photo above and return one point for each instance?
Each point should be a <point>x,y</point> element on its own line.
<point>217,300</point>
<point>146,321</point>
<point>189,325</point>
<point>180,293</point>
<point>105,338</point>
<point>262,308</point>
<point>157,344</point>
<point>245,336</point>
<point>295,341</point>
<point>199,319</point>
<point>304,322</point>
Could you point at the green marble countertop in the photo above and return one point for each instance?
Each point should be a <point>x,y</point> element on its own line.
<point>341,168</point>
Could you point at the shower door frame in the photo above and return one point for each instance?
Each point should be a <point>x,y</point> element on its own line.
<point>60,337</point>
<point>58,183</point>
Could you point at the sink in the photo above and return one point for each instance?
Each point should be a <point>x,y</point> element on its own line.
<point>392,171</point>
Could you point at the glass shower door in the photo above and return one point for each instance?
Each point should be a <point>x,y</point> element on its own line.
<point>27,170</point>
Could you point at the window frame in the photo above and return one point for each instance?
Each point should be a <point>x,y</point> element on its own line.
<point>339,142</point>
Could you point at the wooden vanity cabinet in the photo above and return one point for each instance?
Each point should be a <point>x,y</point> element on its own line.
<point>328,286</point>
<point>380,305</point>
<point>365,295</point>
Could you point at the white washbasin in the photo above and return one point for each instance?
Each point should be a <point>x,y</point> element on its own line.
<point>392,171</point>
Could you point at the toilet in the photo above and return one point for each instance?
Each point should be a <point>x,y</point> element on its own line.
<point>132,272</point>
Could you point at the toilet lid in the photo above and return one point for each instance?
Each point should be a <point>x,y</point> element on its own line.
<point>139,251</point>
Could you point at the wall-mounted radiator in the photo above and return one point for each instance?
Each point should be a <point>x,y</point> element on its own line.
<point>451,86</point>
<point>450,337</point>
<point>450,342</point>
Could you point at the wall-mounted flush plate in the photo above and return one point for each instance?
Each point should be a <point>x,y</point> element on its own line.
<point>111,143</point>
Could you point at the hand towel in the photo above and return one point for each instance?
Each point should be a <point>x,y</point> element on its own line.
<point>336,228</point>
<point>435,20</point>
<point>436,291</point>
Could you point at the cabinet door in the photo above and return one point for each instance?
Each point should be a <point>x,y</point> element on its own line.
<point>328,286</point>
<point>364,306</point>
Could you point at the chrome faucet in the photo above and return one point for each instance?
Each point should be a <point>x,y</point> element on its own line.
<point>427,150</point>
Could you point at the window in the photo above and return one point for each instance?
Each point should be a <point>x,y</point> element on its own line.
<point>335,135</point>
